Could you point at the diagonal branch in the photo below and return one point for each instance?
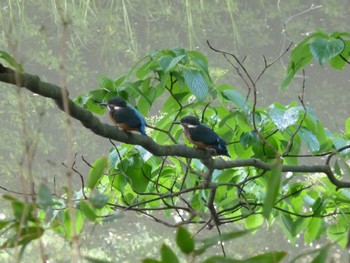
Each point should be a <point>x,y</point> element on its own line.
<point>34,84</point>
<point>48,90</point>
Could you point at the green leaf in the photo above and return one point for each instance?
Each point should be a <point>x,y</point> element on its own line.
<point>253,221</point>
<point>284,119</point>
<point>274,181</point>
<point>237,98</point>
<point>87,210</point>
<point>199,59</point>
<point>269,257</point>
<point>347,126</point>
<point>323,49</point>
<point>314,229</point>
<point>68,224</point>
<point>96,172</point>
<point>168,62</point>
<point>310,139</point>
<point>96,260</point>
<point>212,241</point>
<point>300,57</point>
<point>98,200</point>
<point>22,212</point>
<point>4,223</point>
<point>119,81</point>
<point>167,255</point>
<point>136,172</point>
<point>196,83</point>
<point>23,236</point>
<point>184,240</point>
<point>322,255</point>
<point>44,197</point>
<point>106,83</point>
<point>151,260</point>
<point>339,62</point>
<point>11,61</point>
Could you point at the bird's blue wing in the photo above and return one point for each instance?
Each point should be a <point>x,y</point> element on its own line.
<point>204,134</point>
<point>142,120</point>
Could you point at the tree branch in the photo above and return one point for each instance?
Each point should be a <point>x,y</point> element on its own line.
<point>34,84</point>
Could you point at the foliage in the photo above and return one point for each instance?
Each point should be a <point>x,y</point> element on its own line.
<point>191,253</point>
<point>323,47</point>
<point>270,139</point>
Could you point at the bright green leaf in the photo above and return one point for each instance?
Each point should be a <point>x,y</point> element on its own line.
<point>347,126</point>
<point>96,172</point>
<point>11,61</point>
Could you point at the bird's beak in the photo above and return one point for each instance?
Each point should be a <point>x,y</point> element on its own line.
<point>176,122</point>
<point>104,104</point>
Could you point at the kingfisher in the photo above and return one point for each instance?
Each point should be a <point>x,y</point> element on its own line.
<point>202,136</point>
<point>125,117</point>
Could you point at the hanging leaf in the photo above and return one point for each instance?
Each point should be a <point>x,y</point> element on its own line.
<point>184,240</point>
<point>274,181</point>
<point>96,172</point>
<point>323,49</point>
<point>196,83</point>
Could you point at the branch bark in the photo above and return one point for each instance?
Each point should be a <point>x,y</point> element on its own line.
<point>48,90</point>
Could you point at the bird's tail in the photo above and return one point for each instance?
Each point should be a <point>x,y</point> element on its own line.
<point>221,148</point>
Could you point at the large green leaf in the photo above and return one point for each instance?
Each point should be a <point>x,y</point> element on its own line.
<point>237,98</point>
<point>168,62</point>
<point>184,240</point>
<point>323,49</point>
<point>168,255</point>
<point>300,57</point>
<point>273,187</point>
<point>284,119</point>
<point>212,241</point>
<point>196,82</point>
<point>269,257</point>
<point>96,172</point>
<point>310,139</point>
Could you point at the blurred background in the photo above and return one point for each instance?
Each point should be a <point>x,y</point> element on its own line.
<point>106,38</point>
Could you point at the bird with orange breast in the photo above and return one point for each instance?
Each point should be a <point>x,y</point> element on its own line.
<point>202,136</point>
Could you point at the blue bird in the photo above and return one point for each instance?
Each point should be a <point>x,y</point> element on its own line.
<point>125,117</point>
<point>202,136</point>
